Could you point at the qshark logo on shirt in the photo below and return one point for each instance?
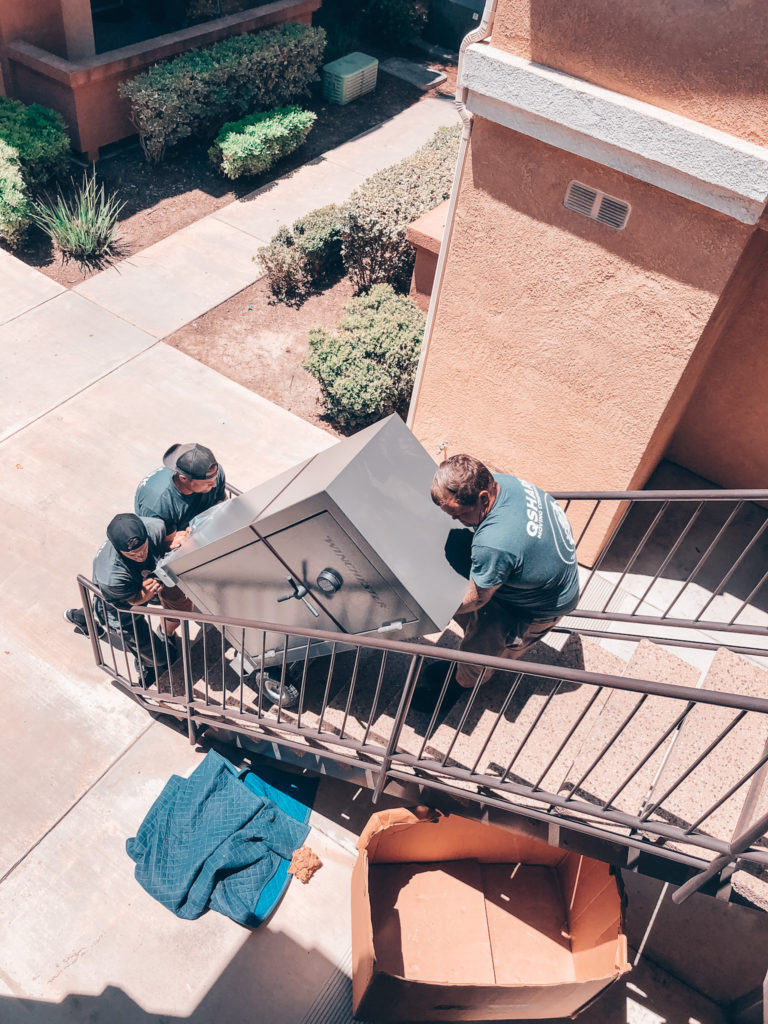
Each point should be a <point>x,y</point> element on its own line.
<point>535,525</point>
<point>561,532</point>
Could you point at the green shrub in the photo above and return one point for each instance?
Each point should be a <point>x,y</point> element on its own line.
<point>395,21</point>
<point>14,201</point>
<point>84,228</point>
<point>374,245</point>
<point>366,368</point>
<point>253,144</point>
<point>194,93</point>
<point>39,139</point>
<point>306,257</point>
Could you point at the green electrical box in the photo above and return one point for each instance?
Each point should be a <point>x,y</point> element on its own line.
<point>349,77</point>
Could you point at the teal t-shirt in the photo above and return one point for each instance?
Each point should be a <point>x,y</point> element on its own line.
<point>525,547</point>
<point>158,496</point>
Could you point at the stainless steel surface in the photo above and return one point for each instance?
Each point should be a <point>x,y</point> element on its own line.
<point>348,541</point>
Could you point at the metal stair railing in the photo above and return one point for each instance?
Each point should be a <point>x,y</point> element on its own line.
<point>512,744</point>
<point>692,563</point>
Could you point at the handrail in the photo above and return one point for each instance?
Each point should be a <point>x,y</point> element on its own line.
<point>648,686</point>
<point>554,789</point>
<point>720,494</point>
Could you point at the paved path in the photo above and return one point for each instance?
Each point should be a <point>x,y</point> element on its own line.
<point>90,400</point>
<point>178,279</point>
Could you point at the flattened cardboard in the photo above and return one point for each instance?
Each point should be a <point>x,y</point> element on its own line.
<point>456,920</point>
<point>527,925</point>
<point>429,922</point>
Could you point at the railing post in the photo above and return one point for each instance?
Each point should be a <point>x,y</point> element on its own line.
<point>187,670</point>
<point>402,711</point>
<point>740,843</point>
<point>85,597</point>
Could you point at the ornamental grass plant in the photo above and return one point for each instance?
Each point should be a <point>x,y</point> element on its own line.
<point>84,227</point>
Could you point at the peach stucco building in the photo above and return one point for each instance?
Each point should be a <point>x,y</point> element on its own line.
<point>70,54</point>
<point>601,291</point>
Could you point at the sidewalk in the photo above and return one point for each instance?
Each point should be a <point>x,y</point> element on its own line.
<point>175,281</point>
<point>91,399</point>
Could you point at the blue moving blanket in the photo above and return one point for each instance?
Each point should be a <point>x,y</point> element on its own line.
<point>211,842</point>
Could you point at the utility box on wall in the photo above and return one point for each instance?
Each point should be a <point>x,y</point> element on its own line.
<point>348,541</point>
<point>450,20</point>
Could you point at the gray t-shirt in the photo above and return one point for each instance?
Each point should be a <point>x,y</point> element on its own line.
<point>120,579</point>
<point>157,495</point>
<point>525,547</point>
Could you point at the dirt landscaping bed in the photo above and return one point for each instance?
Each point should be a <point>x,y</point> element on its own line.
<point>184,188</point>
<point>261,344</point>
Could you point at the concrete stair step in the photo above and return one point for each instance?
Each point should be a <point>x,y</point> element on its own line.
<point>352,709</point>
<point>653,717</point>
<point>490,742</point>
<point>722,768</point>
<point>744,745</point>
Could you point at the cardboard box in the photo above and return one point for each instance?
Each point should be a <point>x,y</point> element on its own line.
<point>456,920</point>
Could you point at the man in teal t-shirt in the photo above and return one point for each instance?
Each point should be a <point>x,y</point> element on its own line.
<point>189,482</point>
<point>524,575</point>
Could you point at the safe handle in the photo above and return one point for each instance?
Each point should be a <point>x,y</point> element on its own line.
<point>300,593</point>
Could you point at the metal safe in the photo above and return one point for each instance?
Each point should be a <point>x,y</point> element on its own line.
<point>348,541</point>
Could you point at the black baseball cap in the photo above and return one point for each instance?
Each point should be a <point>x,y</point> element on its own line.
<point>192,460</point>
<point>126,532</point>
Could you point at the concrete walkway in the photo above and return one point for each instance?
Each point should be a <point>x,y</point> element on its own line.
<point>90,399</point>
<point>178,279</point>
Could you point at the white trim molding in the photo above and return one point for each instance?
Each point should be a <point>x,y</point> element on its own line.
<point>674,153</point>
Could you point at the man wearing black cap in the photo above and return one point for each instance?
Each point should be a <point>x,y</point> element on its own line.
<point>189,482</point>
<point>122,570</point>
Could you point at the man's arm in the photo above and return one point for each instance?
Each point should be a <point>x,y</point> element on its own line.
<point>475,598</point>
<point>149,588</point>
<point>176,539</point>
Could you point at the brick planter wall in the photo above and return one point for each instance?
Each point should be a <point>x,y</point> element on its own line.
<point>85,92</point>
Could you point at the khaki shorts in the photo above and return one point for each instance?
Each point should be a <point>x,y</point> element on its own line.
<point>498,633</point>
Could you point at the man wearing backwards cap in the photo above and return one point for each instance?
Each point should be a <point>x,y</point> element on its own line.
<point>189,482</point>
<point>122,570</point>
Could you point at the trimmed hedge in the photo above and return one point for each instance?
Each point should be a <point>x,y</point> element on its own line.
<point>15,208</point>
<point>367,367</point>
<point>306,257</point>
<point>197,91</point>
<point>39,137</point>
<point>34,148</point>
<point>253,144</point>
<point>374,246</point>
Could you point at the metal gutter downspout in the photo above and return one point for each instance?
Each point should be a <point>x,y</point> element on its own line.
<point>477,35</point>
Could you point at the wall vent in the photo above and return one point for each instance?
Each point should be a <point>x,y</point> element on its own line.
<point>589,202</point>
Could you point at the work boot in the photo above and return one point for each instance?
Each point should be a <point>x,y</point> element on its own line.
<point>429,686</point>
<point>76,617</point>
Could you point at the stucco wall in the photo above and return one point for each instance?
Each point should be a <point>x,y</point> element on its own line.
<point>561,347</point>
<point>722,435</point>
<point>37,21</point>
<point>704,60</point>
